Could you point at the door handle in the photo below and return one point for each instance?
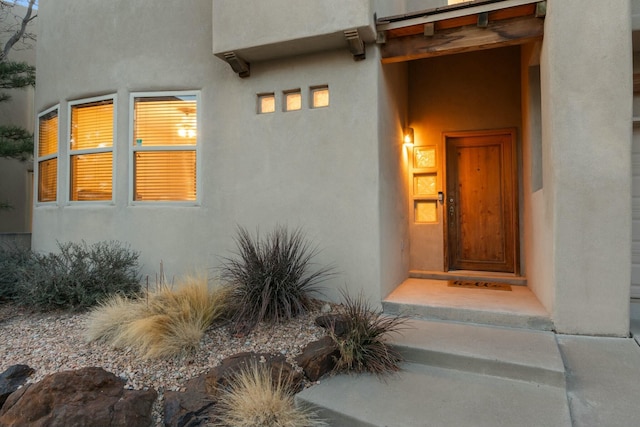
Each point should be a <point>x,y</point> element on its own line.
<point>440,196</point>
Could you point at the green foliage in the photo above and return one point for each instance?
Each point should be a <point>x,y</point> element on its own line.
<point>362,345</point>
<point>16,75</point>
<point>165,322</point>
<point>271,277</point>
<point>15,143</point>
<point>78,276</point>
<point>13,261</point>
<point>254,399</point>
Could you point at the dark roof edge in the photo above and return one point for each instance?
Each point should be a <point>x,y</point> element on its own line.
<point>434,11</point>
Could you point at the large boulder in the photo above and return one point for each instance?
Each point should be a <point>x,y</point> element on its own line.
<point>191,408</point>
<point>85,397</point>
<point>11,379</point>
<point>318,358</point>
<point>216,379</point>
<point>195,406</point>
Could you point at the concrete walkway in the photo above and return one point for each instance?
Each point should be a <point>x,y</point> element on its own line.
<point>423,395</point>
<point>445,383</point>
<point>603,380</point>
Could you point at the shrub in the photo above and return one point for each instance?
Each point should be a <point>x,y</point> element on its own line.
<point>362,344</point>
<point>78,276</point>
<point>160,323</point>
<point>271,278</point>
<point>13,261</point>
<point>253,400</point>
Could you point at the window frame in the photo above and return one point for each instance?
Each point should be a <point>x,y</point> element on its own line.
<point>112,149</point>
<point>285,98</point>
<point>134,148</point>
<point>46,157</point>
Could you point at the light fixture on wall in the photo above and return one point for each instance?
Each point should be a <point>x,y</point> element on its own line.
<point>408,136</point>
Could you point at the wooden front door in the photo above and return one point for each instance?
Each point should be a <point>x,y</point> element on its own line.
<point>481,203</point>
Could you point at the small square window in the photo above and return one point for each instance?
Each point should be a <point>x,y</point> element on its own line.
<point>426,211</point>
<point>266,103</point>
<point>292,100</point>
<point>319,96</point>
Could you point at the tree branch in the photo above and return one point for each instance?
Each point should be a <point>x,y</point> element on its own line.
<point>20,33</point>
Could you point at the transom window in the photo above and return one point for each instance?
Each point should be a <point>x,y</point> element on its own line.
<point>91,149</point>
<point>47,157</point>
<point>164,146</point>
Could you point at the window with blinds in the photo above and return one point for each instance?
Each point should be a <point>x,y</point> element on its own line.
<point>47,157</point>
<point>91,149</point>
<point>164,147</point>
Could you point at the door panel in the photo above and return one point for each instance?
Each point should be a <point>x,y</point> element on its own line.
<point>481,202</point>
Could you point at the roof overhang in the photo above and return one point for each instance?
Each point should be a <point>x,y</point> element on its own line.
<point>460,28</point>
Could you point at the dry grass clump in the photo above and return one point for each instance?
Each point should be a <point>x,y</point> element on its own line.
<point>362,344</point>
<point>254,400</point>
<point>161,323</point>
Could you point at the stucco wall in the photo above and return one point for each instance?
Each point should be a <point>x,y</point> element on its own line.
<point>537,226</point>
<point>243,24</point>
<point>586,112</point>
<point>393,160</point>
<point>311,168</point>
<point>473,91</point>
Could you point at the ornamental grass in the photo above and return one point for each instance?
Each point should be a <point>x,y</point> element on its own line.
<point>253,399</point>
<point>362,343</point>
<point>272,277</point>
<point>165,322</point>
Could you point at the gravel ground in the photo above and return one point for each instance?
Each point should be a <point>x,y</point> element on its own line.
<point>54,342</point>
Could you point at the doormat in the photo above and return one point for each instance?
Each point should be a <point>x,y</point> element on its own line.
<point>473,284</point>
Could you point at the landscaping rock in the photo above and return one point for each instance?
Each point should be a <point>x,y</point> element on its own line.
<point>338,323</point>
<point>318,358</point>
<point>191,408</point>
<point>195,406</point>
<point>11,379</point>
<point>218,378</point>
<point>85,397</point>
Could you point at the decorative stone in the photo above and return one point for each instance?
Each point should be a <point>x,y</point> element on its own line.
<point>191,408</point>
<point>195,406</point>
<point>338,323</point>
<point>219,377</point>
<point>85,397</point>
<point>318,358</point>
<point>11,379</point>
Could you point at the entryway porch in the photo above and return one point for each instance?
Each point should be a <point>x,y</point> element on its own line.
<point>439,298</point>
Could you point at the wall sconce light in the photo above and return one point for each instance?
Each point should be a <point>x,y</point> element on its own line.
<point>408,136</point>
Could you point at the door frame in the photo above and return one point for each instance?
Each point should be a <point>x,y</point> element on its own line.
<point>515,185</point>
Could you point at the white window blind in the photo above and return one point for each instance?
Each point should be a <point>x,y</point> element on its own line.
<point>91,150</point>
<point>48,156</point>
<point>165,148</point>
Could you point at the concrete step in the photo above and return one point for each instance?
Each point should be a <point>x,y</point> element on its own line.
<point>423,395</point>
<point>434,300</point>
<point>518,354</point>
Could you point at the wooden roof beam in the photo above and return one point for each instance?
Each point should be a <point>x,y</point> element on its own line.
<point>506,32</point>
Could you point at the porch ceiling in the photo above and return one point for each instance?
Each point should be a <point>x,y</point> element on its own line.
<point>468,27</point>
